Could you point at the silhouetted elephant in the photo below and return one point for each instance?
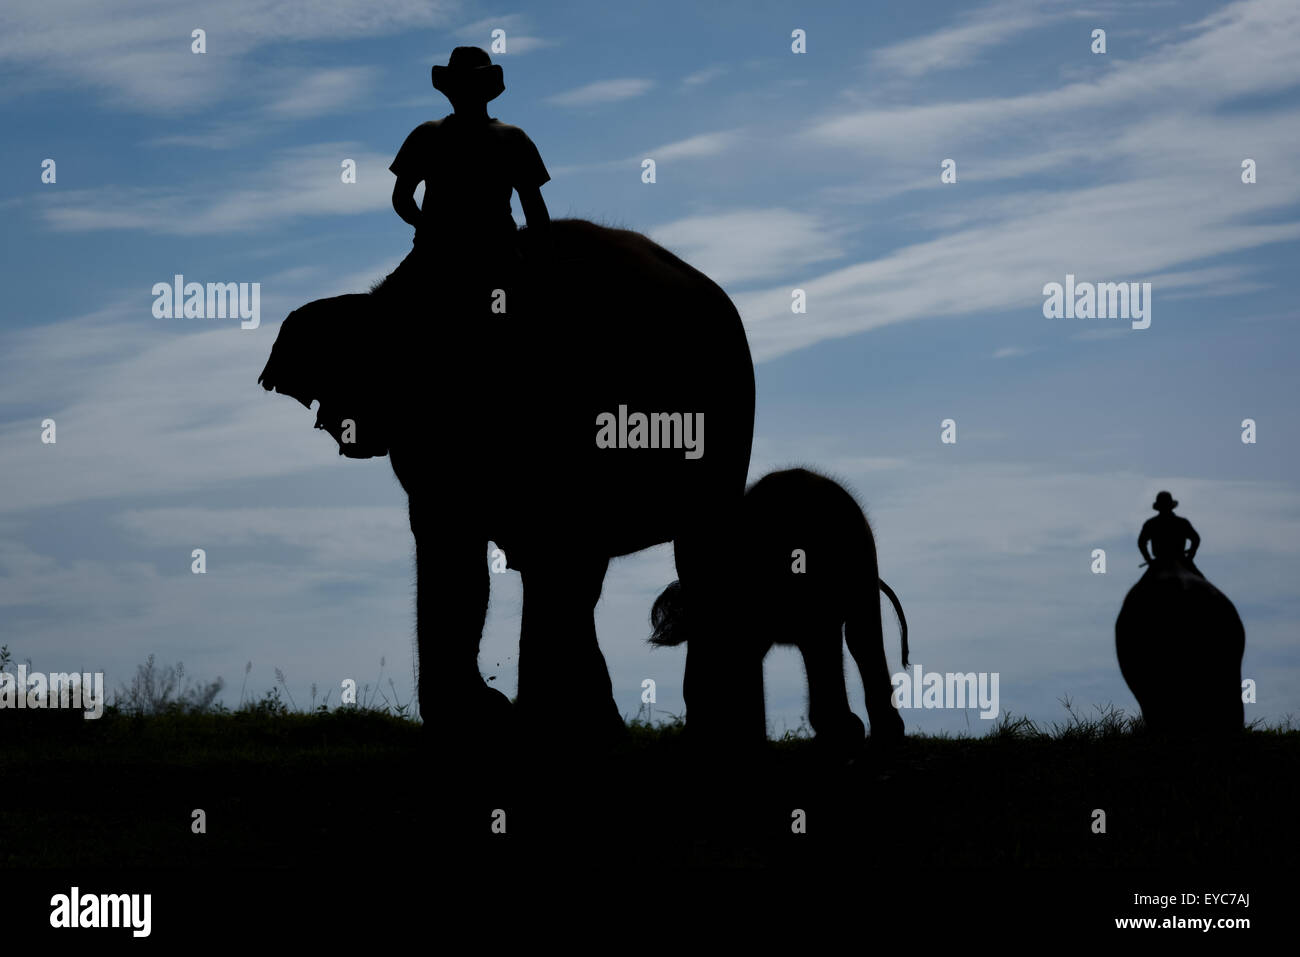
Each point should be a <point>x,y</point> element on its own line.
<point>499,429</point>
<point>807,565</point>
<point>1180,641</point>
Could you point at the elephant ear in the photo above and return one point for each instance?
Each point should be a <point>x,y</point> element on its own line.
<point>666,617</point>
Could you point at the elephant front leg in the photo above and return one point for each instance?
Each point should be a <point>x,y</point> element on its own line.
<point>452,586</point>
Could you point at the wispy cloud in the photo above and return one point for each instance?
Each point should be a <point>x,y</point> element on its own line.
<point>1168,82</point>
<point>702,146</point>
<point>1004,263</point>
<point>995,251</point>
<point>960,44</point>
<point>602,91</point>
<point>103,391</point>
<point>700,77</point>
<point>742,245</point>
<point>138,51</point>
<point>330,535</point>
<point>324,91</point>
<point>694,147</point>
<point>304,181</point>
<point>223,135</point>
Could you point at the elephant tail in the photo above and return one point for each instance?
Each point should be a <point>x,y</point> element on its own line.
<point>898,610</point>
<point>666,617</point>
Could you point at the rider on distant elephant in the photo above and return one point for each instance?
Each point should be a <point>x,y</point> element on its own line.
<point>1178,639</point>
<point>1168,534</point>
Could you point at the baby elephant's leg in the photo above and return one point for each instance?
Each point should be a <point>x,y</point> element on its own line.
<point>828,702</point>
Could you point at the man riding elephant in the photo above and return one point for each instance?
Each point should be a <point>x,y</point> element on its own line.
<point>469,163</point>
<point>1179,640</point>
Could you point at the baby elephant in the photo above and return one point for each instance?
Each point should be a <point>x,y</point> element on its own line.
<point>809,573</point>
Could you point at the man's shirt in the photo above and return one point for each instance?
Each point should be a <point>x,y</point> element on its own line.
<point>469,169</point>
<point>1168,535</point>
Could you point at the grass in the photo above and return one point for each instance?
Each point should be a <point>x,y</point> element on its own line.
<point>283,786</point>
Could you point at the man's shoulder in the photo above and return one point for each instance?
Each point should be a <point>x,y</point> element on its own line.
<point>508,132</point>
<point>414,148</point>
<point>429,126</point>
<point>427,129</point>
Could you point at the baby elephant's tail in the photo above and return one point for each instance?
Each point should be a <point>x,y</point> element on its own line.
<point>666,617</point>
<point>898,610</point>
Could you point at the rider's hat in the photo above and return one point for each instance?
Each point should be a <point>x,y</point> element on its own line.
<point>469,74</point>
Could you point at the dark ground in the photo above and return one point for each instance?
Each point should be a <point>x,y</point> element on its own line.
<point>337,809</point>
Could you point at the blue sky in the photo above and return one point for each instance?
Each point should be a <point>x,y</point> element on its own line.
<point>775,170</point>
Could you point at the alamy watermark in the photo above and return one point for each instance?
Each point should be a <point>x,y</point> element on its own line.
<point>179,299</point>
<point>932,689</point>
<point>654,430</point>
<point>58,689</point>
<point>1105,300</point>
<point>76,909</point>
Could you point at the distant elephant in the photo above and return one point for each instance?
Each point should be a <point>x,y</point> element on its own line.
<point>1180,642</point>
<point>807,564</point>
<point>498,426</point>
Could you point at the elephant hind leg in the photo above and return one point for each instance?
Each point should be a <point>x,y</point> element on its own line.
<point>562,673</point>
<point>828,701</point>
<point>723,685</point>
<point>865,636</point>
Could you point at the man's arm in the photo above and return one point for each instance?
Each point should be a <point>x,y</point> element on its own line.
<point>1143,537</point>
<point>529,175</point>
<point>404,200</point>
<point>537,218</point>
<point>1196,541</point>
<point>534,207</point>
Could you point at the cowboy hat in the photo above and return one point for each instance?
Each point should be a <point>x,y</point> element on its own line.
<point>1164,500</point>
<point>469,73</point>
